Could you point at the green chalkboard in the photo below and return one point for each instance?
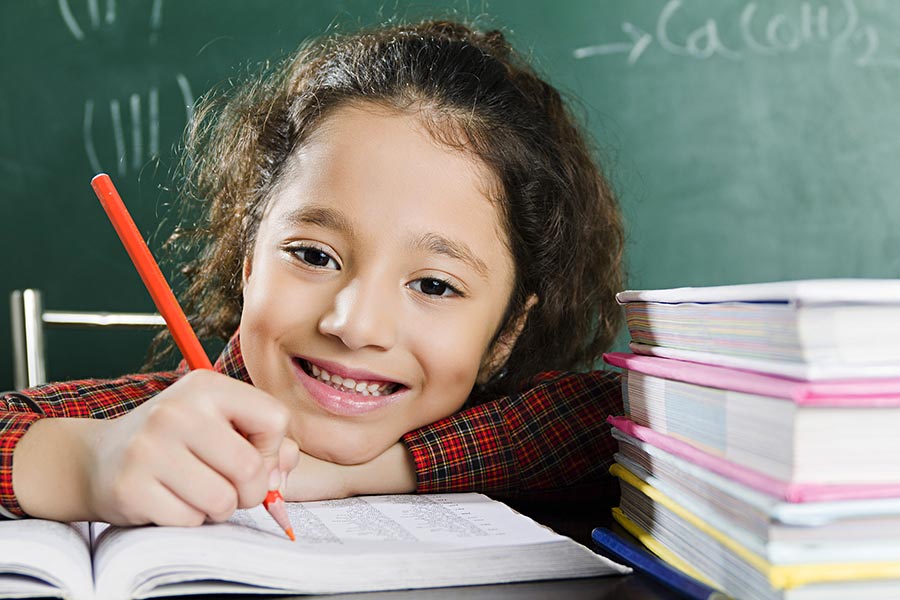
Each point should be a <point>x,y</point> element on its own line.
<point>747,140</point>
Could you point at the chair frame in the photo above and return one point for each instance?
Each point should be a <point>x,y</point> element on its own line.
<point>28,319</point>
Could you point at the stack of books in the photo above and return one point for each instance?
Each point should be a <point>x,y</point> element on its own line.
<point>760,451</point>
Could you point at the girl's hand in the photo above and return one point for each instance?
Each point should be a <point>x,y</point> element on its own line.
<point>202,448</point>
<point>392,472</point>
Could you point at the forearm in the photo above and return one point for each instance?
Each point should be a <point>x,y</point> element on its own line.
<point>391,472</point>
<point>550,436</point>
<point>50,468</point>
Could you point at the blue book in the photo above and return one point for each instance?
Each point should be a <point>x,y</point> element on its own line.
<point>646,563</point>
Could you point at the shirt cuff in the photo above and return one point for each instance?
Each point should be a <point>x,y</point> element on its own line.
<point>13,426</point>
<point>468,451</point>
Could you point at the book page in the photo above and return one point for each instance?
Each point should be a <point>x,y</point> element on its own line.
<point>45,558</point>
<point>342,545</point>
<point>463,520</point>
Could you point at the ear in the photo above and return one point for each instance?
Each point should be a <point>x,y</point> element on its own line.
<point>245,272</point>
<point>500,351</point>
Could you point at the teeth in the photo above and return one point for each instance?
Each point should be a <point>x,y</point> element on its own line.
<point>350,385</point>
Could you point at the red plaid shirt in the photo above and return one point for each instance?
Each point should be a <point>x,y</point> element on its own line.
<point>550,436</point>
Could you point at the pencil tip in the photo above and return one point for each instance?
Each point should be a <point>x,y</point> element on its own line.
<point>290,533</point>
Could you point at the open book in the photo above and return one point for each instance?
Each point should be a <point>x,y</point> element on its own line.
<point>355,544</point>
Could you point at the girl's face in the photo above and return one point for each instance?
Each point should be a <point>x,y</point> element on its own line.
<point>379,276</point>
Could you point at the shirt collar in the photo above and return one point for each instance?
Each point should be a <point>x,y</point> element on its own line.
<point>231,361</point>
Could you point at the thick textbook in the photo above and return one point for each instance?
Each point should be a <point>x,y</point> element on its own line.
<point>818,433</point>
<point>350,545</point>
<point>790,491</point>
<point>849,531</point>
<point>811,329</point>
<point>688,540</point>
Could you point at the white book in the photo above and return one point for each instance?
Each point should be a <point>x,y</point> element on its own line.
<point>810,329</point>
<point>351,545</point>
<point>837,444</point>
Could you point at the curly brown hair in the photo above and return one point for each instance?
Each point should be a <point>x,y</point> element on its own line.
<point>476,92</point>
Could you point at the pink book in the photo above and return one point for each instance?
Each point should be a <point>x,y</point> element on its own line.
<point>785,490</point>
<point>847,393</point>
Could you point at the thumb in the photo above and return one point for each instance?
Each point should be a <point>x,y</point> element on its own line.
<point>288,455</point>
<point>269,439</point>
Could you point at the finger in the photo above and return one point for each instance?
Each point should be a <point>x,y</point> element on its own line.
<point>200,486</point>
<point>159,505</point>
<point>258,416</point>
<point>234,458</point>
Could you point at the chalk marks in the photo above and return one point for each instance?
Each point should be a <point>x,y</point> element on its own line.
<point>108,18</point>
<point>186,95</point>
<point>155,20</point>
<point>131,126</point>
<point>639,42</point>
<point>133,121</point>
<point>118,135</point>
<point>153,110</point>
<point>825,26</point>
<point>69,20</point>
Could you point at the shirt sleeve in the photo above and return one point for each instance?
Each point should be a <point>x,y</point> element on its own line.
<point>551,436</point>
<point>96,399</point>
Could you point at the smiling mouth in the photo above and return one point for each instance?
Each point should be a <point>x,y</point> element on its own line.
<point>361,387</point>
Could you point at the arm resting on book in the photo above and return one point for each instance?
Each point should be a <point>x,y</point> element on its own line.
<point>225,436</point>
<point>392,472</point>
<point>94,399</point>
<point>550,436</point>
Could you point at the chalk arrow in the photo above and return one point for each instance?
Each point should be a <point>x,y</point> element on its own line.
<point>635,48</point>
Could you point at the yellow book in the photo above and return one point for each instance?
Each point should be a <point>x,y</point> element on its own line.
<point>649,514</point>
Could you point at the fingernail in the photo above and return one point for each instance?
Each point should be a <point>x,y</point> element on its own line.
<point>275,478</point>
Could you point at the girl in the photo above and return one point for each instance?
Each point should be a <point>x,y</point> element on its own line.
<point>404,228</point>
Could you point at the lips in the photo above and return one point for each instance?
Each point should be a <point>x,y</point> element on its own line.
<point>364,387</point>
<point>346,393</point>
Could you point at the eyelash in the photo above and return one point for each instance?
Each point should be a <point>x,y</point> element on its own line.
<point>298,252</point>
<point>455,290</point>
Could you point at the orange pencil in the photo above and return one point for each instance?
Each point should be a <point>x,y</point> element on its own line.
<point>167,305</point>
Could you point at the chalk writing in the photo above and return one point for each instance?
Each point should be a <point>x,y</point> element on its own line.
<point>777,34</point>
<point>108,19</point>
<point>136,127</point>
<point>127,119</point>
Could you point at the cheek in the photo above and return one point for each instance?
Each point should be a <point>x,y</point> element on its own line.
<point>451,369</point>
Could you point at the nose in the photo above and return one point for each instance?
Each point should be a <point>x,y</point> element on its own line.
<point>362,316</point>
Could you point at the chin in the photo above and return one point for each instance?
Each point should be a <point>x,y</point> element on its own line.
<point>348,452</point>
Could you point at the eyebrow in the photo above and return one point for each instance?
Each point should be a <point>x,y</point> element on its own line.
<point>321,216</point>
<point>438,244</point>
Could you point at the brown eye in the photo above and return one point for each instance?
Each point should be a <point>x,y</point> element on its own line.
<point>315,257</point>
<point>434,287</point>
